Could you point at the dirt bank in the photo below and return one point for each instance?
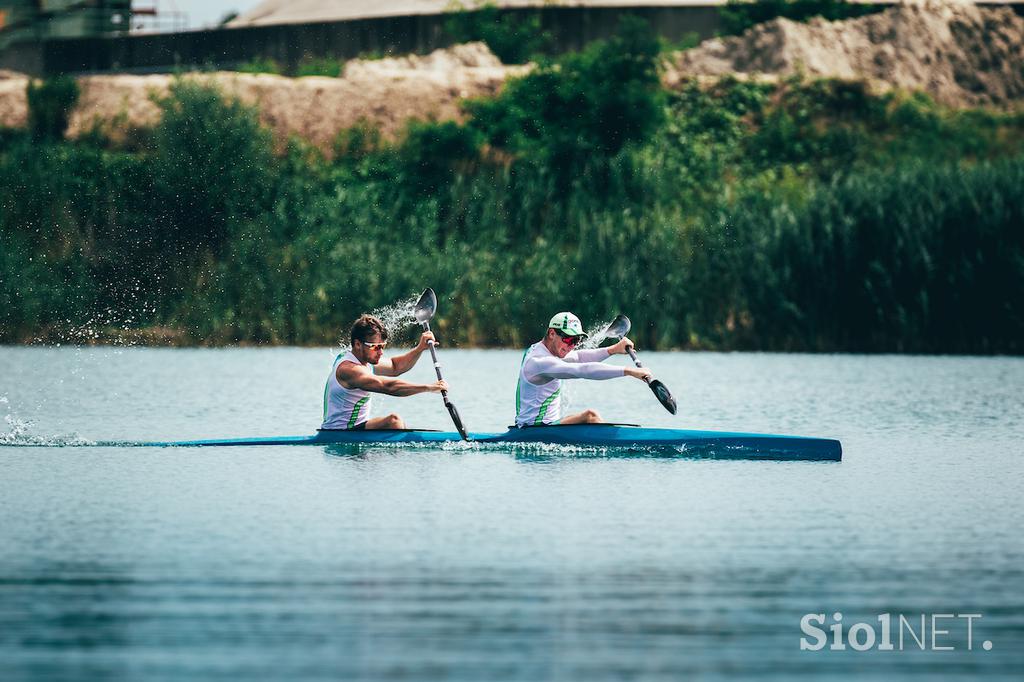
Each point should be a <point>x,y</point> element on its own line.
<point>961,54</point>
<point>385,92</point>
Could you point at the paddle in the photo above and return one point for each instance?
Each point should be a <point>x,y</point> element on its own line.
<point>423,311</point>
<point>617,329</point>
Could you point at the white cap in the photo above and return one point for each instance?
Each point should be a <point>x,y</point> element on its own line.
<point>568,324</point>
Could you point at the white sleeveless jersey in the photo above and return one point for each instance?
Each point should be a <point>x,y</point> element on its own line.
<point>536,405</point>
<point>344,408</point>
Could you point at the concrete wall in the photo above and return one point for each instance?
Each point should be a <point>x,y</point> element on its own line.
<point>289,44</point>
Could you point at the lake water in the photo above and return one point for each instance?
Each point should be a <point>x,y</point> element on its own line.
<point>134,563</point>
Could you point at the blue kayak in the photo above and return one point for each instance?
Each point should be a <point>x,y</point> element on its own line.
<point>716,444</point>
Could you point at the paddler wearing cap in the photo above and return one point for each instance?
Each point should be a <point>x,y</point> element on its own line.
<point>553,358</point>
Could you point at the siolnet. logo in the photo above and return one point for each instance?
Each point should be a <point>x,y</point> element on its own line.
<point>926,632</point>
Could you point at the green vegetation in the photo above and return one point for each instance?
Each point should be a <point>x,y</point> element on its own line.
<point>260,65</point>
<point>49,106</point>
<point>308,66</point>
<point>689,40</point>
<point>790,216</point>
<point>514,37</point>
<point>582,110</point>
<point>325,66</point>
<point>211,164</point>
<point>739,15</point>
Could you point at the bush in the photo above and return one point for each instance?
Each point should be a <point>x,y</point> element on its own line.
<point>212,165</point>
<point>584,108</point>
<point>916,258</point>
<point>514,37</point>
<point>431,152</point>
<point>40,290</point>
<point>260,65</point>
<point>326,66</point>
<point>49,107</point>
<point>358,141</point>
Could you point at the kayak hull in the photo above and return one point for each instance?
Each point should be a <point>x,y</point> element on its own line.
<point>714,444</point>
<point>688,442</point>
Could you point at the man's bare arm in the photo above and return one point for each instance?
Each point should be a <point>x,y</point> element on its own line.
<point>350,376</point>
<point>400,364</point>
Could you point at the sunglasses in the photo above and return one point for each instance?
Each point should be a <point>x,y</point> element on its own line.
<point>375,346</point>
<point>568,340</point>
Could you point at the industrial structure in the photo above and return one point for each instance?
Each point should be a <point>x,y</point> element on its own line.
<point>276,12</point>
<point>39,20</point>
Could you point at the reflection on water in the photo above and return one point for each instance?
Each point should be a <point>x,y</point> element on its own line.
<point>477,563</point>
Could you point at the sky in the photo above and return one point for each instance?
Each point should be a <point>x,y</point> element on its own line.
<point>201,13</point>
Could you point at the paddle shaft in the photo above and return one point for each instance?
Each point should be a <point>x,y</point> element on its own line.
<point>629,349</point>
<point>437,365</point>
<point>444,394</point>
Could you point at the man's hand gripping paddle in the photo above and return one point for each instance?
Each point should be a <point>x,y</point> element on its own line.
<point>617,330</point>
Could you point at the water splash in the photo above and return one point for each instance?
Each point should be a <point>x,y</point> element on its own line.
<point>539,452</point>
<point>17,428</point>
<point>396,318</point>
<point>554,450</point>
<point>18,434</point>
<point>112,326</point>
<point>597,334</point>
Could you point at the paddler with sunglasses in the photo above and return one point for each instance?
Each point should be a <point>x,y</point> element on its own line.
<point>555,357</point>
<point>363,371</point>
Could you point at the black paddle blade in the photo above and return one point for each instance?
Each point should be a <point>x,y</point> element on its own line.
<point>663,395</point>
<point>426,306</point>
<point>618,328</point>
<point>457,420</point>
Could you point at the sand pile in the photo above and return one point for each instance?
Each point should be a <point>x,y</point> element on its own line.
<point>961,54</point>
<point>385,92</point>
<point>13,102</point>
<point>469,55</point>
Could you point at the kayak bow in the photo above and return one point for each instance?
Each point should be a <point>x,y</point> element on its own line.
<point>715,444</point>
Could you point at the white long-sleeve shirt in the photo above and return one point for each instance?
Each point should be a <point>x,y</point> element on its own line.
<point>538,395</point>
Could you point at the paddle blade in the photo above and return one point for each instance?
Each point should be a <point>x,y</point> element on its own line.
<point>457,420</point>
<point>426,306</point>
<point>618,328</point>
<point>663,395</point>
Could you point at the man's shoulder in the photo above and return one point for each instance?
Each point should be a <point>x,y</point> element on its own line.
<point>347,366</point>
<point>539,350</point>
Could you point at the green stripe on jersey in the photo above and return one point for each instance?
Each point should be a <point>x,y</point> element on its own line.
<point>355,411</point>
<point>519,379</point>
<point>544,407</point>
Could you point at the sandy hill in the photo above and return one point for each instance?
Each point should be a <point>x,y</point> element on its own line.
<point>385,92</point>
<point>961,54</point>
